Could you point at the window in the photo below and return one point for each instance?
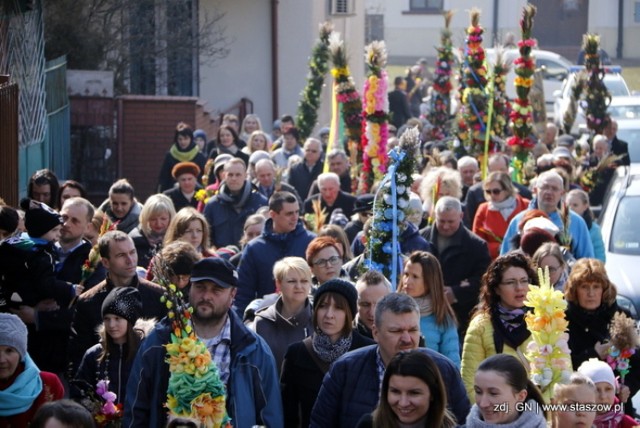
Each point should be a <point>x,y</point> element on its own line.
<point>425,5</point>
<point>342,7</point>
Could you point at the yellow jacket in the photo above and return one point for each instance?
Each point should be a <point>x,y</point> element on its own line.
<point>478,345</point>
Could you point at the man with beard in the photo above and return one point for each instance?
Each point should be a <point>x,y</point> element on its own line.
<point>244,360</point>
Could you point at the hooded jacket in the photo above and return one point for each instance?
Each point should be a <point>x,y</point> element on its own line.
<point>255,276</point>
<point>253,393</point>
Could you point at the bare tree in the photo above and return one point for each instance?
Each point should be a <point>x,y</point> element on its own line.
<point>153,46</point>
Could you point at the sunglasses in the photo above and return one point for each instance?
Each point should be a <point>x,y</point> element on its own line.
<point>492,191</point>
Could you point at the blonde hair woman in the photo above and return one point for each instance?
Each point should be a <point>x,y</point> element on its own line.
<point>155,216</point>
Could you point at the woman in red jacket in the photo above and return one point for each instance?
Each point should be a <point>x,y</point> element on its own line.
<point>23,387</point>
<point>493,217</point>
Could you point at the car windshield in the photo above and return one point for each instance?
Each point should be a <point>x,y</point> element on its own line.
<point>632,137</point>
<point>624,112</point>
<point>625,236</point>
<point>616,86</point>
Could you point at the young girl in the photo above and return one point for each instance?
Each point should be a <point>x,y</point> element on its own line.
<point>422,280</point>
<point>579,391</point>
<point>606,385</point>
<point>112,358</point>
<point>578,201</point>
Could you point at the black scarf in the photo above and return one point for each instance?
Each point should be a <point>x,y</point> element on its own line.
<point>508,328</point>
<point>595,322</point>
<point>239,199</point>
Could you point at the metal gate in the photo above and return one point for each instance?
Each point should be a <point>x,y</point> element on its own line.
<point>58,115</point>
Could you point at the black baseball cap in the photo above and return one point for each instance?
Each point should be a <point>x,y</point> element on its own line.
<point>215,269</point>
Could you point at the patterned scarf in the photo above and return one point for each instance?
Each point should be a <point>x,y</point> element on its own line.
<point>327,351</point>
<point>611,419</point>
<point>508,327</point>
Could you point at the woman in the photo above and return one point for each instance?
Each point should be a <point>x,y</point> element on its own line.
<point>325,259</point>
<point>250,124</point>
<point>549,255</point>
<point>44,187</point>
<point>228,143</point>
<point>93,229</point>
<point>154,220</point>
<point>184,149</point>
<point>122,206</point>
<point>578,201</point>
<point>413,394</point>
<point>23,387</point>
<point>493,217</point>
<point>422,280</point>
<point>184,193</point>
<point>288,319</point>
<point>190,226</point>
<point>70,189</point>
<point>306,362</point>
<point>505,396</point>
<point>120,338</point>
<point>437,183</point>
<point>498,324</point>
<point>591,299</point>
<point>338,233</point>
<point>257,140</point>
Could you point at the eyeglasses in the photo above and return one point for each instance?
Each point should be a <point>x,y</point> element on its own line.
<point>333,260</point>
<point>513,283</point>
<point>492,191</point>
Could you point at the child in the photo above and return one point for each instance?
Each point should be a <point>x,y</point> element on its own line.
<point>579,391</point>
<point>602,376</point>
<point>112,358</point>
<point>28,264</point>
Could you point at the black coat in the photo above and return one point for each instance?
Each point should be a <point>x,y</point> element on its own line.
<point>145,250</point>
<point>178,199</point>
<point>301,380</point>
<point>301,178</point>
<point>91,371</point>
<point>344,201</point>
<point>399,108</point>
<point>165,180</point>
<point>466,258</point>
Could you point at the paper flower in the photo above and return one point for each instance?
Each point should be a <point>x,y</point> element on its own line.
<point>548,353</point>
<point>624,341</point>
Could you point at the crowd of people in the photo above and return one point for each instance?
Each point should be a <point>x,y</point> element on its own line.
<point>301,332</point>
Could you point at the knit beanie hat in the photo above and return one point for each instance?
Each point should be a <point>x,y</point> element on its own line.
<point>200,133</point>
<point>342,287</point>
<point>39,218</point>
<point>124,302</point>
<point>13,333</point>
<point>8,219</point>
<point>598,371</point>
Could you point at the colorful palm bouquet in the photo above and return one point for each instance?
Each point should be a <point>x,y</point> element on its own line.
<point>472,117</point>
<point>382,251</point>
<point>349,103</point>
<point>624,341</point>
<point>501,104</point>
<point>548,353</point>
<point>100,402</point>
<point>597,97</point>
<point>522,112</point>
<point>195,389</point>
<point>442,86</point>
<point>376,115</point>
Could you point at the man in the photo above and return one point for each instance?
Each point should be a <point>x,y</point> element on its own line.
<point>351,388</point>
<point>549,192</point>
<point>236,200</point>
<point>338,163</point>
<point>119,258</point>
<point>475,195</point>
<point>550,135</point>
<point>601,149</point>
<point>463,256</point>
<point>245,363</point>
<point>616,146</point>
<point>468,168</point>
<point>331,197</point>
<point>371,287</point>
<point>399,103</point>
<point>283,235</point>
<point>304,173</point>
<point>285,123</point>
<point>266,180</point>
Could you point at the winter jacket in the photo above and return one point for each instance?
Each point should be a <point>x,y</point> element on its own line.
<point>466,258</point>
<point>255,276</point>
<point>179,200</point>
<point>281,158</point>
<point>479,344</point>
<point>344,201</point>
<point>530,418</point>
<point>441,338</point>
<point>489,224</point>
<point>598,244</point>
<point>166,180</point>
<point>301,178</point>
<point>253,396</point>
<point>581,245</point>
<point>301,381</point>
<point>88,314</point>
<point>145,250</point>
<point>280,332</point>
<point>91,371</point>
<point>226,221</point>
<point>475,197</point>
<point>352,388</point>
<point>127,223</point>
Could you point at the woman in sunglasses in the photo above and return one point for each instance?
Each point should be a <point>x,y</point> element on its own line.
<point>493,217</point>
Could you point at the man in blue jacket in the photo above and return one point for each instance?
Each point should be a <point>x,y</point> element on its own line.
<point>245,362</point>
<point>351,388</point>
<point>283,236</point>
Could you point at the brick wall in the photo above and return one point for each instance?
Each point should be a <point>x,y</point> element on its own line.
<point>147,125</point>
